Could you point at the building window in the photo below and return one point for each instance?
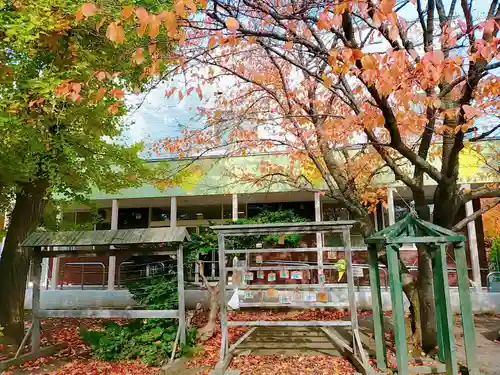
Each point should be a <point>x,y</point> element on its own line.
<point>160,214</point>
<point>212,212</point>
<point>132,218</point>
<point>228,211</point>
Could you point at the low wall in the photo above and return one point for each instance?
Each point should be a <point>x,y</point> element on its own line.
<point>90,299</point>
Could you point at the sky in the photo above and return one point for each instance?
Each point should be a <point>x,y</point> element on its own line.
<point>159,117</point>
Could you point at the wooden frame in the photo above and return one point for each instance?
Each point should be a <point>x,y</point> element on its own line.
<point>162,240</point>
<point>342,227</point>
<point>413,230</point>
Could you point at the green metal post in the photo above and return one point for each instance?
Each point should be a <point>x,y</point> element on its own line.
<point>397,309</point>
<point>378,316</point>
<point>443,310</point>
<point>466,309</point>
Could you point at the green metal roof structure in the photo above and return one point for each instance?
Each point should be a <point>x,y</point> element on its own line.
<point>411,229</point>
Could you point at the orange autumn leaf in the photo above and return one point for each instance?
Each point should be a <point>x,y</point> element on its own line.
<point>232,24</point>
<point>151,48</point>
<point>180,9</point>
<point>142,14</point>
<point>99,24</point>
<point>115,33</point>
<point>154,26</point>
<point>138,56</point>
<point>88,9</point>
<point>127,12</point>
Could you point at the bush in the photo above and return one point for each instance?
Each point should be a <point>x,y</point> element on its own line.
<point>494,256</point>
<point>152,340</point>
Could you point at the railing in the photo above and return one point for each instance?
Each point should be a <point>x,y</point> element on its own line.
<point>141,271</point>
<point>496,274</point>
<point>82,278</point>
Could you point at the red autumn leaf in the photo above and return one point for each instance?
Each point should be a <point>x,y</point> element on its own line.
<point>127,12</point>
<point>100,94</point>
<point>232,24</point>
<point>116,93</point>
<point>88,9</point>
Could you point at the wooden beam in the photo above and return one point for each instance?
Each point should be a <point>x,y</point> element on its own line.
<point>241,339</point>
<point>347,351</point>
<point>443,310</point>
<point>180,286</point>
<point>466,309</point>
<point>290,323</point>
<point>397,309</point>
<point>43,352</point>
<point>35,302</point>
<point>378,316</point>
<point>108,314</point>
<point>283,250</point>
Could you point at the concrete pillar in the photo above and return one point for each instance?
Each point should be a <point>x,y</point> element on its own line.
<point>173,212</point>
<point>390,206</point>
<point>473,248</point>
<point>235,207</point>
<point>112,258</point>
<point>55,273</point>
<point>319,236</point>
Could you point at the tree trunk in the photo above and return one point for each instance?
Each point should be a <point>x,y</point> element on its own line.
<point>426,299</point>
<point>14,264</point>
<point>425,285</point>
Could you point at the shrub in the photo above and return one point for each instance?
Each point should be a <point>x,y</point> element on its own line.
<point>152,340</point>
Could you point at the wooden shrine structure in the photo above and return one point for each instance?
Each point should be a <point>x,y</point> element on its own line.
<point>342,228</point>
<point>412,230</point>
<point>150,241</point>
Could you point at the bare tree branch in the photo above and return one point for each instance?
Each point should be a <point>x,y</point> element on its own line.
<point>462,223</point>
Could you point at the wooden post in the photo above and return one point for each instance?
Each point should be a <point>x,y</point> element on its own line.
<point>466,309</point>
<point>223,302</point>
<point>319,236</point>
<point>378,316</point>
<point>35,302</point>
<point>443,309</point>
<point>182,304</point>
<point>356,344</point>
<point>398,312</point>
<point>234,208</point>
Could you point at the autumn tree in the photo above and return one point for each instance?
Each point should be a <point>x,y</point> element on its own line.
<point>62,86</point>
<point>407,80</point>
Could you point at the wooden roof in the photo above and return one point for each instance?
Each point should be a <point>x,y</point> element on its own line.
<point>284,228</point>
<point>411,229</point>
<point>120,237</point>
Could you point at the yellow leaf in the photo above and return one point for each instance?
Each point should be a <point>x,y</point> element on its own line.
<point>327,81</point>
<point>369,62</point>
<point>232,24</point>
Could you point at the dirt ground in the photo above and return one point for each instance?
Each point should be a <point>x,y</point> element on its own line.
<point>488,352</point>
<point>488,346</point>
